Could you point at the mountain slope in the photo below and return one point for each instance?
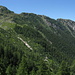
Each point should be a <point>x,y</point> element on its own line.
<point>33,44</point>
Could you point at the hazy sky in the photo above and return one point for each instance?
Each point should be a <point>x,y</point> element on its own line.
<point>53,8</point>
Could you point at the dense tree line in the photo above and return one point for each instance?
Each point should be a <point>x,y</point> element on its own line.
<point>16,60</point>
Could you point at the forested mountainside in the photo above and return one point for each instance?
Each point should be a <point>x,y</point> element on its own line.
<point>32,44</point>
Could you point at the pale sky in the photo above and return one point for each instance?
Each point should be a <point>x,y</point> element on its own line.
<point>53,8</point>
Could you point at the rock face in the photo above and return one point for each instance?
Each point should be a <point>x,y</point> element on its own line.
<point>68,23</point>
<point>25,43</point>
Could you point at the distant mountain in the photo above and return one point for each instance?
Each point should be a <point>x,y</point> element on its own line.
<point>32,44</point>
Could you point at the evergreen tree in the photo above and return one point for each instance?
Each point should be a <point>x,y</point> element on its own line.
<point>2,69</point>
<point>22,70</point>
<point>72,67</point>
<point>9,70</point>
<point>63,69</point>
<point>43,69</point>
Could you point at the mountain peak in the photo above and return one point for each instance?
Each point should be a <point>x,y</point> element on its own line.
<point>4,10</point>
<point>2,6</point>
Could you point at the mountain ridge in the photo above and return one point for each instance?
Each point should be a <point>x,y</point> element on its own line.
<point>27,40</point>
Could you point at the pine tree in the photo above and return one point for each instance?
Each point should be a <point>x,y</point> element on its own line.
<point>22,70</point>
<point>9,70</point>
<point>63,69</point>
<point>2,69</point>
